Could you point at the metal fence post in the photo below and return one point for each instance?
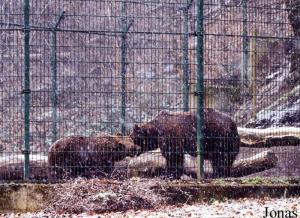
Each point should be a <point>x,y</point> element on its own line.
<point>26,91</point>
<point>123,69</point>
<point>253,73</point>
<point>186,69</point>
<point>125,29</point>
<point>245,72</point>
<point>54,86</point>
<point>54,77</point>
<point>200,87</point>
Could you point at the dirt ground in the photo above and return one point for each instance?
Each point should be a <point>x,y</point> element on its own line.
<point>215,209</point>
<point>156,198</point>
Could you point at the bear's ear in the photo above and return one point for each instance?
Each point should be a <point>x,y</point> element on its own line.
<point>136,128</point>
<point>119,134</point>
<point>147,131</point>
<point>121,146</point>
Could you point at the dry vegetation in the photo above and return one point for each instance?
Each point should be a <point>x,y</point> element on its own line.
<point>102,197</point>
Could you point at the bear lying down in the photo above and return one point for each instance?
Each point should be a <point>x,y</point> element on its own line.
<point>74,156</point>
<point>175,134</point>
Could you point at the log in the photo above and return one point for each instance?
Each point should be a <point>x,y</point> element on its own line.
<point>257,163</point>
<point>148,164</point>
<point>152,164</point>
<point>270,137</point>
<point>272,131</point>
<point>11,167</point>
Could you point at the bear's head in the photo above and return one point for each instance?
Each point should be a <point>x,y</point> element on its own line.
<point>145,137</point>
<point>127,144</point>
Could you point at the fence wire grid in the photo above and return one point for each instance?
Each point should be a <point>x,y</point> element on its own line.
<point>168,88</point>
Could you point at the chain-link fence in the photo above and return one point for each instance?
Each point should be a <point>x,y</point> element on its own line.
<point>126,86</point>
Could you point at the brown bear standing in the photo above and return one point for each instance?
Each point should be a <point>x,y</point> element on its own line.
<point>87,156</point>
<point>175,134</point>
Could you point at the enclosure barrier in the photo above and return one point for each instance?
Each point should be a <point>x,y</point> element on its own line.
<point>171,89</point>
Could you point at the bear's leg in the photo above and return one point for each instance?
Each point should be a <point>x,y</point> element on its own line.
<point>222,163</point>
<point>99,169</point>
<point>226,163</point>
<point>75,171</point>
<point>218,164</point>
<point>172,150</point>
<point>174,168</point>
<point>108,167</point>
<point>229,159</point>
<point>175,160</point>
<point>54,174</point>
<point>57,173</point>
<point>229,154</point>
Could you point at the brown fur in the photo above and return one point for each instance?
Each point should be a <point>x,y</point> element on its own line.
<point>175,134</point>
<point>87,156</point>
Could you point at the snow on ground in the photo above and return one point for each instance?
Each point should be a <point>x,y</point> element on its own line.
<point>231,208</point>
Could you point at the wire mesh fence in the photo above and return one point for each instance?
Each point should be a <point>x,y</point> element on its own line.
<point>126,88</point>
